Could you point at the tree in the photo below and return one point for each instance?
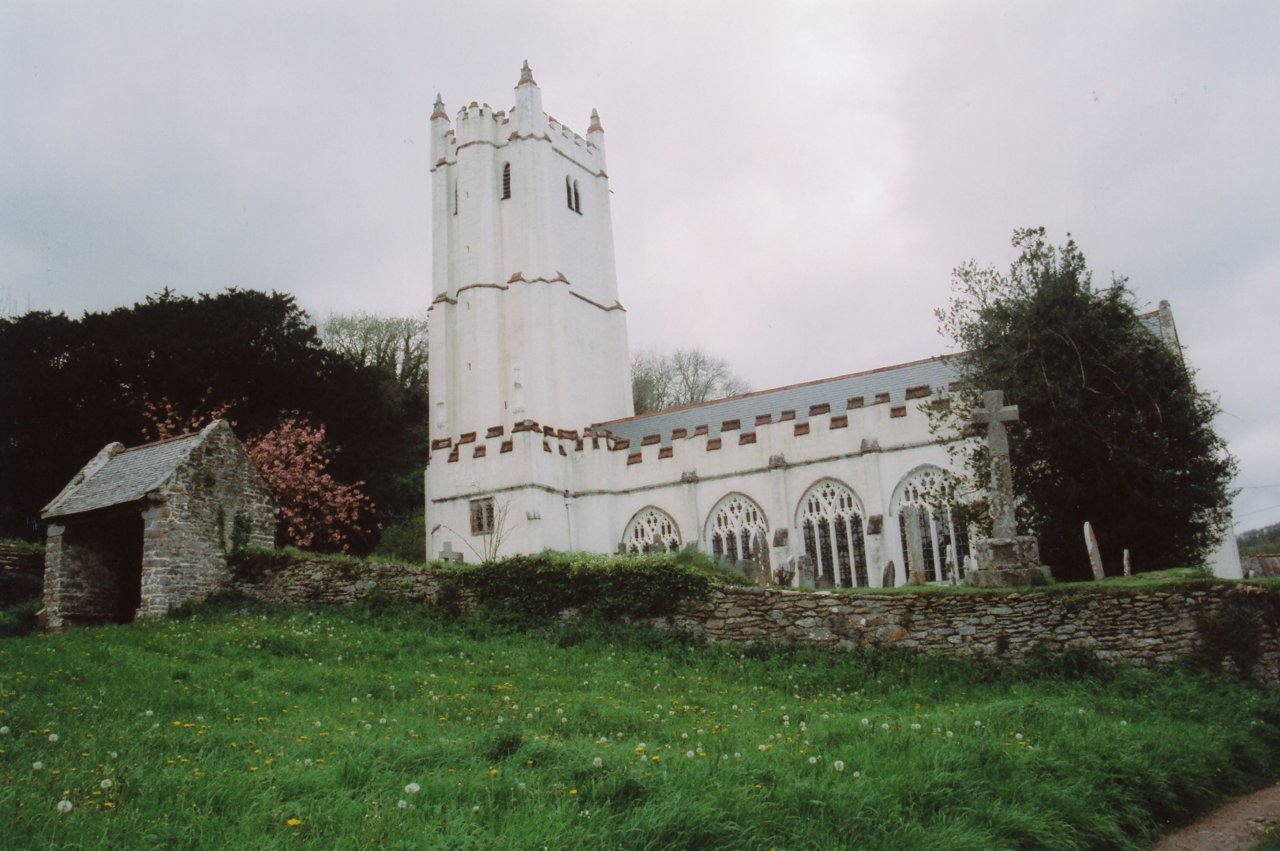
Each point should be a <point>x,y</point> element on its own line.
<point>394,344</point>
<point>70,386</point>
<point>1112,429</point>
<point>684,378</point>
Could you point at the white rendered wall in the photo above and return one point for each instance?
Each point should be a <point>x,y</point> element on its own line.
<point>525,320</point>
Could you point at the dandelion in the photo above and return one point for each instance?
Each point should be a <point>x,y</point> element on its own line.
<point>857,774</point>
<point>37,766</point>
<point>1018,736</point>
<point>106,784</point>
<point>838,765</point>
<point>760,748</point>
<point>866,722</point>
<point>1124,723</point>
<point>737,755</point>
<point>977,723</point>
<point>64,806</point>
<point>294,822</point>
<point>950,735</point>
<point>915,726</point>
<point>573,793</point>
<point>401,804</point>
<point>813,760</point>
<point>885,726</point>
<point>53,737</point>
<point>148,713</point>
<point>597,762</point>
<point>4,731</point>
<point>689,754</point>
<point>113,754</point>
<point>413,789</point>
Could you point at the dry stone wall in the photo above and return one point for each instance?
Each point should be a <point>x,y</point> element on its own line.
<point>1258,566</point>
<point>1140,628</point>
<point>21,568</point>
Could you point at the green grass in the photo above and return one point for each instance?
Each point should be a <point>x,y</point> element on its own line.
<point>243,726</point>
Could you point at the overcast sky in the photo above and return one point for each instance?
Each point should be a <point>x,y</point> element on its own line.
<point>793,182</point>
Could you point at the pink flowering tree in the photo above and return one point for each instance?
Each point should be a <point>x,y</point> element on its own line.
<point>316,510</point>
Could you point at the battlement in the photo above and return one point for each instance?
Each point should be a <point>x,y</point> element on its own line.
<point>594,458</point>
<point>479,123</point>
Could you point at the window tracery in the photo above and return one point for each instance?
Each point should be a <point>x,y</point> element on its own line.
<point>931,493</point>
<point>738,531</point>
<point>831,520</point>
<point>651,530</point>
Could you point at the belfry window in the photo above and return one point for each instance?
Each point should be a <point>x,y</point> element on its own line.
<point>568,190</point>
<point>506,181</point>
<point>831,518</point>
<point>577,201</point>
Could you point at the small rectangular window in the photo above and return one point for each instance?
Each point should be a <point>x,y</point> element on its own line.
<point>482,516</point>
<point>506,181</point>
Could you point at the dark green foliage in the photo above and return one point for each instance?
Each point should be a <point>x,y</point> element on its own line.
<point>1112,428</point>
<point>538,587</point>
<point>1257,542</point>
<point>1233,632</point>
<point>404,537</point>
<point>19,618</point>
<point>70,386</point>
<point>240,528</point>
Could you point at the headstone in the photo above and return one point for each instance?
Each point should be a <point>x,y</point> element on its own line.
<point>951,564</point>
<point>1128,568</point>
<point>447,554</point>
<point>915,542</point>
<point>1095,557</point>
<point>890,576</point>
<point>804,566</point>
<point>970,564</point>
<point>1005,559</point>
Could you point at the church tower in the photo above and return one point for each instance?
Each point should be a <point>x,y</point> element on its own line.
<point>525,322</point>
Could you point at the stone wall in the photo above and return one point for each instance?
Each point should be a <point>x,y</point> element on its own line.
<point>21,569</point>
<point>187,532</point>
<point>1140,628</point>
<point>1259,566</point>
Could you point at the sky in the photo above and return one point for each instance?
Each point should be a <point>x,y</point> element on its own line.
<point>793,183</point>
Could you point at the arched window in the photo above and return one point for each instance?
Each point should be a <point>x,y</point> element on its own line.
<point>830,517</point>
<point>651,530</point>
<point>577,201</point>
<point>568,190</point>
<point>738,531</point>
<point>506,181</point>
<point>927,499</point>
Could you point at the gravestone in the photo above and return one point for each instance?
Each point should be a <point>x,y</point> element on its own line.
<point>804,566</point>
<point>889,577</point>
<point>1128,568</point>
<point>915,544</point>
<point>1005,559</point>
<point>1095,556</point>
<point>447,554</point>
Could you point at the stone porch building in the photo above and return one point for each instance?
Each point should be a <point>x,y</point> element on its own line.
<point>138,531</point>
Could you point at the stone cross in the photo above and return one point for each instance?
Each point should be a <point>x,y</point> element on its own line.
<point>994,416</point>
<point>447,554</point>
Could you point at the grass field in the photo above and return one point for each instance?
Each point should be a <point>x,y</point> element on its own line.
<point>383,727</point>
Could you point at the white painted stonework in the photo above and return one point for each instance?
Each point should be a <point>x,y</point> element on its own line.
<point>531,393</point>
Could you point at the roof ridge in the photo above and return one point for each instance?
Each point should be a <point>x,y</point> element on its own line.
<point>782,387</point>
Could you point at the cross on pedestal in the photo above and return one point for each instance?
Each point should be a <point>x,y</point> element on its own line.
<point>994,416</point>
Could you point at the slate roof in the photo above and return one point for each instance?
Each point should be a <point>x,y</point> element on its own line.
<point>936,373</point>
<point>128,475</point>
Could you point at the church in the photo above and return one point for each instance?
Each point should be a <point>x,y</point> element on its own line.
<point>534,440</point>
